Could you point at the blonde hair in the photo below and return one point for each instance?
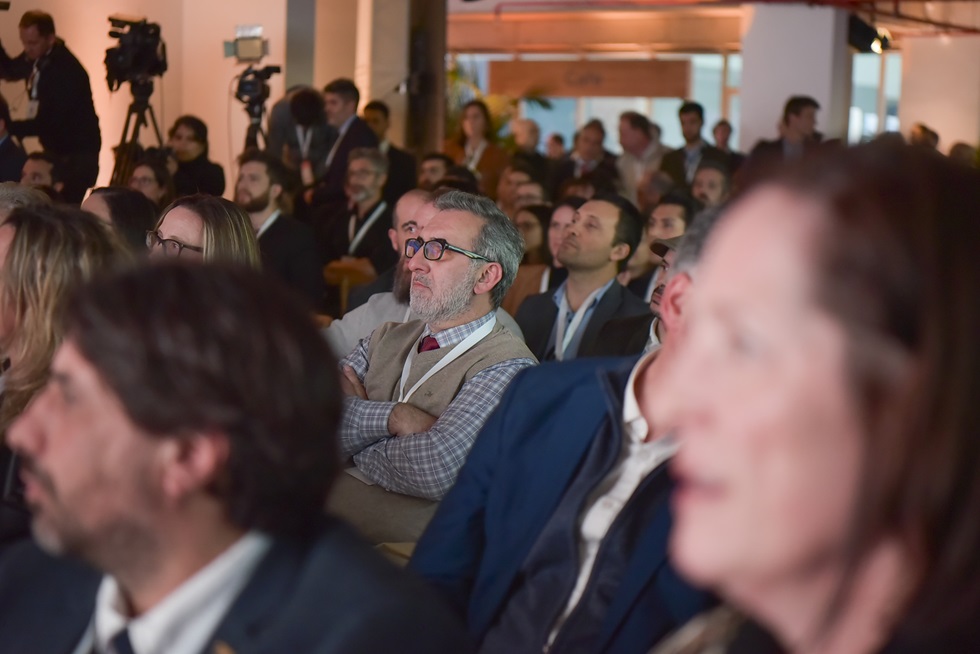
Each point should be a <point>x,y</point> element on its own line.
<point>228,233</point>
<point>52,251</point>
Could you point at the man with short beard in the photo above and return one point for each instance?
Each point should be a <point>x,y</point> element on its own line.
<point>418,392</point>
<point>287,245</point>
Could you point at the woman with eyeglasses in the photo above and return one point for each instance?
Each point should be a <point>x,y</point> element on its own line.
<point>45,252</point>
<point>205,228</point>
<point>151,178</point>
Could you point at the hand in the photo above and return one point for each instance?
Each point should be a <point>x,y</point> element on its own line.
<point>351,385</point>
<point>406,419</point>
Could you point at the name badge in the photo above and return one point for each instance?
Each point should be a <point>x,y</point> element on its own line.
<point>32,109</point>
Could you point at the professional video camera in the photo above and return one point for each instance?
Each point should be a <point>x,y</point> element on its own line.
<point>140,55</point>
<point>253,87</point>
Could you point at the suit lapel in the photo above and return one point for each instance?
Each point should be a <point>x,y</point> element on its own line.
<point>545,312</point>
<point>606,309</point>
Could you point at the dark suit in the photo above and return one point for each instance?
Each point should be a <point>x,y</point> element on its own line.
<point>526,458</point>
<point>604,171</point>
<point>402,175</point>
<point>289,251</point>
<point>12,158</point>
<point>332,594</point>
<point>621,337</point>
<point>674,163</point>
<point>375,245</point>
<point>536,318</point>
<point>329,191</point>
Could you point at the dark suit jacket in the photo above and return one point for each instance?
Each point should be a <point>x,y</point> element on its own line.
<point>329,191</point>
<point>375,245</point>
<point>332,594</point>
<point>522,463</point>
<point>564,170</point>
<point>12,158</point>
<point>402,175</point>
<point>289,251</point>
<point>621,337</point>
<point>536,317</point>
<point>674,163</point>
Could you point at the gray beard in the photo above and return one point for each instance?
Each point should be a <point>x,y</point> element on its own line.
<point>454,303</point>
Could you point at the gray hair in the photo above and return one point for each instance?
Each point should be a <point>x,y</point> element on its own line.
<point>373,156</point>
<point>693,242</point>
<point>498,241</point>
<point>14,196</point>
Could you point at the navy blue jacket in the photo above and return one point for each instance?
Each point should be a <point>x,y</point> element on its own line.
<point>523,461</point>
<point>332,594</point>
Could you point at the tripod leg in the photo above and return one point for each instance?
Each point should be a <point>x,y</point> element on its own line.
<point>156,127</point>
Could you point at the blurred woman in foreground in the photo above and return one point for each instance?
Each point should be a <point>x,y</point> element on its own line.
<point>825,398</point>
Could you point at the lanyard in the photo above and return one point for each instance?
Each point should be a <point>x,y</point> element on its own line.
<point>545,280</point>
<point>304,136</point>
<point>472,161</point>
<point>563,335</point>
<point>461,348</point>
<point>355,240</point>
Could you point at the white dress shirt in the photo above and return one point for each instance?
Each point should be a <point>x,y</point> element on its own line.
<point>637,459</point>
<point>184,620</point>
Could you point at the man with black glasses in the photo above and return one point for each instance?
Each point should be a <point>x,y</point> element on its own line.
<point>419,392</point>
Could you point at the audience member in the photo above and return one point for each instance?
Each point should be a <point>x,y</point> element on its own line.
<point>797,138</point>
<point>15,196</point>
<point>554,536</point>
<point>341,98</point>
<point>527,135</point>
<point>538,278</point>
<point>533,222</point>
<point>460,178</point>
<point>401,164</point>
<point>668,220</point>
<point>130,213</point>
<point>432,169</point>
<point>152,178</point>
<point>177,463</point>
<point>823,401</point>
<point>299,134</point>
<point>204,227</point>
<point>42,171</point>
<point>44,252</point>
<point>923,136</point>
<point>287,246</point>
<point>474,147</point>
<point>595,247</point>
<point>652,190</point>
<point>683,163</point>
<point>418,392</point>
<point>188,139</point>
<point>965,154</point>
<point>722,134</point>
<point>555,147</point>
<point>588,156</point>
<point>12,156</point>
<point>60,111</point>
<point>528,193</point>
<point>642,152</point>
<point>358,239</point>
<point>512,176</point>
<point>712,184</point>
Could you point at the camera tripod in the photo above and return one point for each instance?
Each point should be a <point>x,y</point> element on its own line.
<point>129,149</point>
<point>255,110</point>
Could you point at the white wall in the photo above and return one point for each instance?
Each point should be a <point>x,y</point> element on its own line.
<point>941,87</point>
<point>198,78</point>
<point>793,50</point>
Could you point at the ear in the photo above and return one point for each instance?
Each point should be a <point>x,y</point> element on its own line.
<point>275,190</point>
<point>393,237</point>
<point>672,303</point>
<point>192,462</point>
<point>58,186</point>
<point>490,277</point>
<point>619,252</point>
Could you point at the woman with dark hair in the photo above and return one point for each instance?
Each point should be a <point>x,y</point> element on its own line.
<point>474,147</point>
<point>188,139</point>
<point>533,222</point>
<point>824,400</point>
<point>152,178</point>
<point>129,212</point>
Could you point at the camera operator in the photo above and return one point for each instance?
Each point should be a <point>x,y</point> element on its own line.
<point>60,110</point>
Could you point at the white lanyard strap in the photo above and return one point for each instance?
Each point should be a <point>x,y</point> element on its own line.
<point>304,136</point>
<point>473,160</point>
<point>545,280</point>
<point>355,240</point>
<point>564,336</point>
<point>461,348</point>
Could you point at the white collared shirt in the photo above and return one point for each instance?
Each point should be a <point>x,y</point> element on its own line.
<point>637,459</point>
<point>267,224</point>
<point>184,620</point>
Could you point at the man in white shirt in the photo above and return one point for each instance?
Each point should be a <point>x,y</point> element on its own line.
<point>642,152</point>
<point>554,537</point>
<point>178,459</point>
